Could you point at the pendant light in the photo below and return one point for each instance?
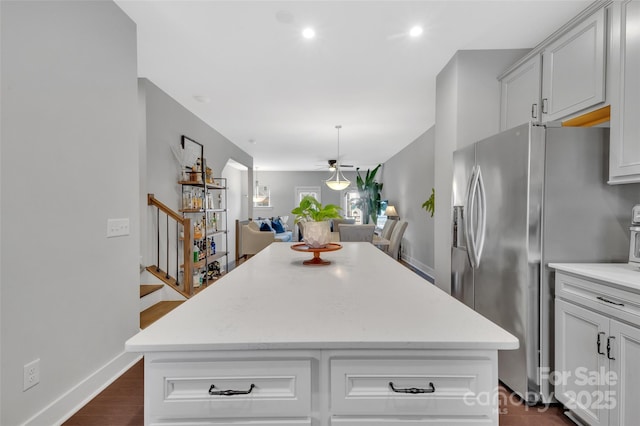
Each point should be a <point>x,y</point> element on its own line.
<point>337,181</point>
<point>258,197</point>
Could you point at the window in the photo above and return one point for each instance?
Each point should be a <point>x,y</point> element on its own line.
<point>352,209</point>
<point>303,191</point>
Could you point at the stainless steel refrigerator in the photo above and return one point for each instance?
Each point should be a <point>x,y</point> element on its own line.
<point>522,199</point>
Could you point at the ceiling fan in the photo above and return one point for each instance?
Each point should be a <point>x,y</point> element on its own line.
<point>332,165</point>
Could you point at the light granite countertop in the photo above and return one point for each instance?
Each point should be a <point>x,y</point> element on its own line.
<point>362,300</point>
<point>624,275</point>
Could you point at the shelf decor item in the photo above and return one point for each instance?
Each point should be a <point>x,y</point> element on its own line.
<point>314,219</point>
<point>316,260</point>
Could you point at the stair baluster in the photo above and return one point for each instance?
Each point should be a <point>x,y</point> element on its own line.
<point>158,239</point>
<point>185,287</point>
<point>177,261</point>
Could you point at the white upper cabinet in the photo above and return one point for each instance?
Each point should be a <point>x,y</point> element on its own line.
<point>573,75</point>
<point>624,159</point>
<point>520,94</point>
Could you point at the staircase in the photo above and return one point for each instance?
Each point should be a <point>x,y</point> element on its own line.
<point>174,255</point>
<point>154,304</point>
<point>159,309</point>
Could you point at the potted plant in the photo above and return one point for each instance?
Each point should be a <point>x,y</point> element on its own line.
<point>430,204</point>
<point>369,191</point>
<point>315,217</point>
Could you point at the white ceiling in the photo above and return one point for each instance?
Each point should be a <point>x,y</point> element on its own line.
<point>266,83</point>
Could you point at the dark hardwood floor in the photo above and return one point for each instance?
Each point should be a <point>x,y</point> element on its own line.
<point>513,412</point>
<point>122,404</point>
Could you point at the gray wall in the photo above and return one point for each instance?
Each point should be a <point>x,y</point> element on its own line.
<point>283,184</point>
<point>69,162</point>
<point>165,122</point>
<point>235,201</point>
<point>408,179</point>
<point>467,110</point>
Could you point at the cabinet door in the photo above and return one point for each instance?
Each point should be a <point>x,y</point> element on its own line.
<point>520,95</point>
<point>625,384</point>
<point>578,332</point>
<point>573,75</point>
<point>232,422</point>
<point>624,161</point>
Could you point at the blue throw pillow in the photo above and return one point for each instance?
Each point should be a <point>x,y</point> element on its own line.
<point>265,227</point>
<point>277,226</point>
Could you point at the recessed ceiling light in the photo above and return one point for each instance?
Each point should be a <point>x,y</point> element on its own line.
<point>308,33</point>
<point>415,31</point>
<point>202,98</point>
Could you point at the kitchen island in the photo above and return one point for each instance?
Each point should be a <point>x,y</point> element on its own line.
<point>360,341</point>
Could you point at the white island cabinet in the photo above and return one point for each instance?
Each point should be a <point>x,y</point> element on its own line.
<point>597,342</point>
<point>362,341</point>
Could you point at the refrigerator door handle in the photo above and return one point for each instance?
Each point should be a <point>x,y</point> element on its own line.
<point>482,219</point>
<point>468,219</point>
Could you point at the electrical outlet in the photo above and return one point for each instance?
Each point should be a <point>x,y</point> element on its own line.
<point>31,374</point>
<point>117,227</point>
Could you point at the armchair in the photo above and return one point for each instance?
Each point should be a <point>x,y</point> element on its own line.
<point>250,240</point>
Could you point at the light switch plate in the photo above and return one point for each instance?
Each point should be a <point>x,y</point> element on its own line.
<point>117,227</point>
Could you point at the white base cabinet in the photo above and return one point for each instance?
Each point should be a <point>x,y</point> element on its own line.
<point>581,341</point>
<point>597,350</point>
<point>321,388</point>
<point>627,365</point>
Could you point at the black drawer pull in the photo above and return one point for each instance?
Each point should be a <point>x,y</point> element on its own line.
<point>431,389</point>
<point>609,301</point>
<point>609,348</point>
<point>599,342</point>
<point>230,392</point>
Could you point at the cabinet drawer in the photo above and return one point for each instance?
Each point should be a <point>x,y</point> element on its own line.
<point>601,297</point>
<point>277,422</point>
<point>411,422</point>
<point>281,388</point>
<point>461,387</point>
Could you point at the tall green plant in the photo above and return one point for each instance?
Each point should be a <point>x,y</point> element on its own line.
<point>369,191</point>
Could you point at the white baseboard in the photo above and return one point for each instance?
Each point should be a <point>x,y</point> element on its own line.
<point>68,404</point>
<point>422,267</point>
<point>575,419</point>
